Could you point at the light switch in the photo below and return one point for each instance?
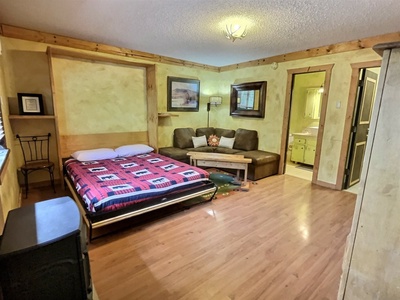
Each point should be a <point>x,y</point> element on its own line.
<point>338,104</point>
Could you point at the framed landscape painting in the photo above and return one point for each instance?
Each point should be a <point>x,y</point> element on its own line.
<point>183,94</point>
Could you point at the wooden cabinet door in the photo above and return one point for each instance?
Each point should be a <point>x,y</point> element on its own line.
<point>309,155</point>
<point>298,153</point>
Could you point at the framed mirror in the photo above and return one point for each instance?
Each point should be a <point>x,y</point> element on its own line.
<point>248,99</point>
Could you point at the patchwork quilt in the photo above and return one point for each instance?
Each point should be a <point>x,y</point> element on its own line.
<point>110,184</point>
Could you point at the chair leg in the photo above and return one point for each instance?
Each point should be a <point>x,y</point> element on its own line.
<point>26,183</point>
<point>51,172</point>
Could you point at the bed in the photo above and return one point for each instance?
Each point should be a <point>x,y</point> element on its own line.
<point>122,185</point>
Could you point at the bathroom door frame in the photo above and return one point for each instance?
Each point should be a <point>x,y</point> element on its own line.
<point>286,118</point>
<point>356,67</point>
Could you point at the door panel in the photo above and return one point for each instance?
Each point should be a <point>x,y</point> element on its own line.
<point>362,115</point>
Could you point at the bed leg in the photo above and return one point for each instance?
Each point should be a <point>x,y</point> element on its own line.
<point>213,195</point>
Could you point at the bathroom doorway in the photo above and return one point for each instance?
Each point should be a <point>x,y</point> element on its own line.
<point>305,111</point>
<point>304,116</point>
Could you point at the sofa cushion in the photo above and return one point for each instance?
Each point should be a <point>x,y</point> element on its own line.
<point>260,157</point>
<point>246,139</point>
<point>183,137</point>
<point>175,153</point>
<point>202,149</point>
<point>229,133</point>
<point>207,131</point>
<point>226,150</point>
<point>225,142</point>
<point>199,141</point>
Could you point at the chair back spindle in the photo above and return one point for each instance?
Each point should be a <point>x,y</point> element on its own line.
<point>36,154</point>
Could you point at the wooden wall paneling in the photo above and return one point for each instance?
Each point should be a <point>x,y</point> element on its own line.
<point>152,106</point>
<point>324,104</point>
<point>72,143</point>
<point>54,98</point>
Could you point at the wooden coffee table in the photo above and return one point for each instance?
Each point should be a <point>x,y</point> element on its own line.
<point>219,160</point>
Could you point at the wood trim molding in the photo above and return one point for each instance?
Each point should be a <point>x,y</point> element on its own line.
<point>285,125</point>
<point>369,42</point>
<point>54,39</point>
<point>349,116</point>
<point>57,52</point>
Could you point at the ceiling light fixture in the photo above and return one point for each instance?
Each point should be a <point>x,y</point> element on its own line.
<point>234,32</point>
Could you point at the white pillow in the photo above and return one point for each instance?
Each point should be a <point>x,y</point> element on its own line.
<point>131,150</point>
<point>226,142</point>
<point>199,141</point>
<point>94,154</point>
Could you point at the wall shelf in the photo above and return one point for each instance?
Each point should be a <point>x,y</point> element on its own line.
<point>166,115</point>
<point>31,117</point>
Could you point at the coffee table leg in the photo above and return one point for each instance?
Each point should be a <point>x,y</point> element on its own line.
<point>245,184</point>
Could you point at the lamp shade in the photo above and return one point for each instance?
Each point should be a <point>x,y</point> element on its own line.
<point>215,100</point>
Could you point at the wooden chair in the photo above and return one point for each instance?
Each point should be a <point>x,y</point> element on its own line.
<point>35,149</point>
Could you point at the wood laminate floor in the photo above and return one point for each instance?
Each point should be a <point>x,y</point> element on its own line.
<point>283,239</point>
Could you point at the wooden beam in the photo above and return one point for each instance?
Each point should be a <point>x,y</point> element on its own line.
<point>42,37</point>
<point>54,39</point>
<point>57,52</point>
<point>320,51</point>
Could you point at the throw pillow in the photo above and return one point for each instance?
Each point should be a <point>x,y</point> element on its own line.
<point>94,154</point>
<point>226,142</point>
<point>131,150</point>
<point>213,140</point>
<point>199,141</point>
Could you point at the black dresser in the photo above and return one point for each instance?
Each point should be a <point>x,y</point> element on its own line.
<point>43,253</point>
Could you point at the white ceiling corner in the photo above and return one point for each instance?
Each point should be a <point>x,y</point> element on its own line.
<point>193,29</point>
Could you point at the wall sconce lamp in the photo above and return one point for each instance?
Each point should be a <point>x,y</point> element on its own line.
<point>214,100</point>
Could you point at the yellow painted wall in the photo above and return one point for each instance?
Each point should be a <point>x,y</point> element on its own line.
<point>9,188</point>
<point>26,69</point>
<point>270,128</point>
<point>96,97</point>
<point>298,121</point>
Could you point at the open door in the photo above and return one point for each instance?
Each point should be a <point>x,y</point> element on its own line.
<point>359,131</point>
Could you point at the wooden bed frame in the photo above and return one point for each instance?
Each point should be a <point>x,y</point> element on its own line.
<point>70,144</point>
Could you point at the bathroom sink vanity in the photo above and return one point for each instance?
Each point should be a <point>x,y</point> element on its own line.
<point>304,145</point>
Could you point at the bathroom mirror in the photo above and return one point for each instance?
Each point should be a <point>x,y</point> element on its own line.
<point>248,99</point>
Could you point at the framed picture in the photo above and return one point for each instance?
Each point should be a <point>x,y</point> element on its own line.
<point>183,94</point>
<point>30,104</point>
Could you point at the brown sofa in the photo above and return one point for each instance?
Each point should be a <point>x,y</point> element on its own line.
<point>246,143</point>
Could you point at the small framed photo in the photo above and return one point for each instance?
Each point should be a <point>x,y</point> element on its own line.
<point>30,104</point>
<point>183,94</point>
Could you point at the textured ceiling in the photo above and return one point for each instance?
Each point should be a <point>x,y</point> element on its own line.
<point>193,29</point>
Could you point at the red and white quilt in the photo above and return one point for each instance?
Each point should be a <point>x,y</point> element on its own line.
<point>111,184</point>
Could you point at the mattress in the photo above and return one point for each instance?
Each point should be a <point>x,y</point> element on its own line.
<point>112,184</point>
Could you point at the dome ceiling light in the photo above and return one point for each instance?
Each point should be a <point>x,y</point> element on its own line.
<point>234,32</point>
